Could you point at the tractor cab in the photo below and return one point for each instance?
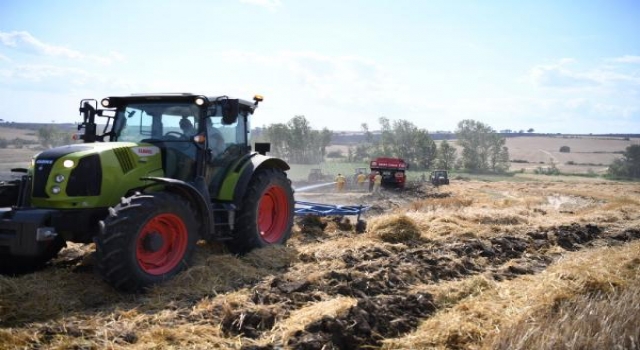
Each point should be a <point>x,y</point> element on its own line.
<point>439,177</point>
<point>195,135</point>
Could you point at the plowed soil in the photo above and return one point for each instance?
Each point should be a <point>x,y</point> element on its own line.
<point>331,287</point>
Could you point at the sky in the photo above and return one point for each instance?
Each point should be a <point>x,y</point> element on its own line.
<point>554,66</point>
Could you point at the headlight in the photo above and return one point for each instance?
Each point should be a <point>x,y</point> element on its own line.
<point>68,163</point>
<point>105,102</point>
<point>55,189</point>
<point>59,178</point>
<point>199,101</point>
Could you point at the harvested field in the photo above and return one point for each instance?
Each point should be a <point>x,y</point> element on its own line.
<point>472,265</point>
<point>586,153</point>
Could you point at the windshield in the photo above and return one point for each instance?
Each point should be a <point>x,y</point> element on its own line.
<point>160,121</point>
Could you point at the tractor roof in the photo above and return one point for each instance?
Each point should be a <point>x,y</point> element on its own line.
<point>180,97</point>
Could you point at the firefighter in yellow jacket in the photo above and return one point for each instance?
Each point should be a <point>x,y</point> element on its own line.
<point>377,182</point>
<point>340,181</point>
<point>361,179</point>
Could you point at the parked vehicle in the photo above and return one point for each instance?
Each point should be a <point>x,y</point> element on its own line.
<point>392,171</point>
<point>146,188</point>
<point>439,177</point>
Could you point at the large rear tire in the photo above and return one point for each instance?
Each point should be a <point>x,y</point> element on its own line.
<point>14,265</point>
<point>266,213</point>
<point>145,240</point>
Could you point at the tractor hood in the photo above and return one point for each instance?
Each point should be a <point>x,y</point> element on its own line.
<point>54,154</point>
<point>102,170</point>
<point>128,153</point>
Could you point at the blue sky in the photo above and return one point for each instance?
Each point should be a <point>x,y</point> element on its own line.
<point>555,66</point>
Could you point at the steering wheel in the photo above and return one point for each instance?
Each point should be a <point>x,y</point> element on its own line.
<point>175,134</point>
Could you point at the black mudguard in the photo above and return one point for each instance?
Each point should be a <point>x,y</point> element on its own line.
<point>258,161</point>
<point>197,194</point>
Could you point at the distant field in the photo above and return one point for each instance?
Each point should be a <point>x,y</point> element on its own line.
<point>587,153</point>
<point>10,133</point>
<point>12,157</point>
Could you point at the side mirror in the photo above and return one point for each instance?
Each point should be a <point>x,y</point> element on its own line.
<point>263,147</point>
<point>230,110</point>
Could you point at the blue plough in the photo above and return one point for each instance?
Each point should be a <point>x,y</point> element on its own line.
<point>320,209</point>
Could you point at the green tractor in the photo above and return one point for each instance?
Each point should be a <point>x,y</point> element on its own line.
<point>166,171</point>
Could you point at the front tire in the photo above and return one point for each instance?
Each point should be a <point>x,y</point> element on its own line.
<point>145,240</point>
<point>266,213</point>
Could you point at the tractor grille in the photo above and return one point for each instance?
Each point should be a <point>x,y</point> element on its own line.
<point>86,177</point>
<point>125,159</point>
<point>41,174</point>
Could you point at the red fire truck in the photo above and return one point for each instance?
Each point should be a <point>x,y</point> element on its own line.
<point>392,171</point>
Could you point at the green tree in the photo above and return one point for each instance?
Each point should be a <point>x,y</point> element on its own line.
<point>426,150</point>
<point>402,139</point>
<point>361,153</point>
<point>628,165</point>
<point>387,140</point>
<point>18,142</point>
<point>368,136</point>
<point>297,142</point>
<point>47,136</point>
<point>482,148</point>
<point>299,137</point>
<point>446,156</point>
<point>277,135</point>
<point>325,140</point>
<point>499,155</point>
<point>362,150</point>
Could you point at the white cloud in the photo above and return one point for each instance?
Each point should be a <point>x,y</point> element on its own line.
<point>4,58</point>
<point>62,80</point>
<point>626,59</point>
<point>24,41</point>
<point>559,76</point>
<point>37,73</point>
<point>331,79</point>
<point>269,4</point>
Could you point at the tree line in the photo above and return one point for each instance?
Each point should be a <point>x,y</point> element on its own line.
<point>629,165</point>
<point>483,150</point>
<point>296,141</point>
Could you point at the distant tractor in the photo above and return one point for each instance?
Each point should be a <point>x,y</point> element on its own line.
<point>439,177</point>
<point>166,171</point>
<point>392,171</point>
<point>316,175</point>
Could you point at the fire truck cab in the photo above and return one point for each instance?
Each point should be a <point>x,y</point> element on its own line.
<point>392,171</point>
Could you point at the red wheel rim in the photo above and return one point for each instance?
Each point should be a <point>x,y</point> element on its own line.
<point>171,236</point>
<point>273,214</point>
